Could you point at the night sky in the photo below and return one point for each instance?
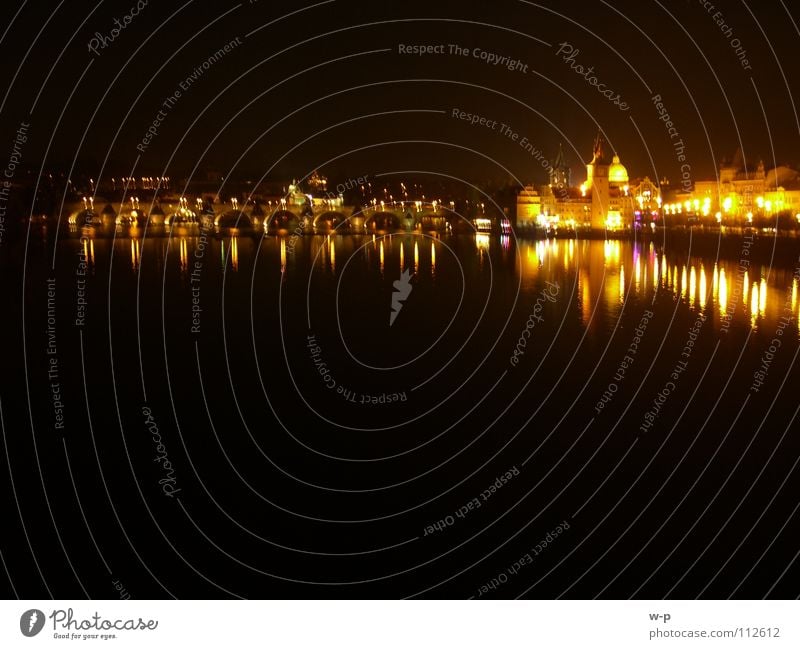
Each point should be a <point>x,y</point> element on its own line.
<point>193,341</point>
<point>325,86</point>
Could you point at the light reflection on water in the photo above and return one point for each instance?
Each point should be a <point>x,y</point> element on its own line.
<point>613,272</point>
<point>606,275</point>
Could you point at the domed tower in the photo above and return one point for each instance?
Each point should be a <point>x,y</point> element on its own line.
<point>617,173</point>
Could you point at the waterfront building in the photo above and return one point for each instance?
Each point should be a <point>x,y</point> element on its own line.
<point>741,195</point>
<point>606,200</point>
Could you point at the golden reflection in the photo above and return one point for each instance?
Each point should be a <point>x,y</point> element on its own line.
<point>745,284</point>
<point>684,284</point>
<point>402,256</point>
<point>715,282</point>
<point>382,255</point>
<point>283,254</point>
<point>540,250</point>
<point>585,296</point>
<point>332,249</point>
<point>602,286</point>
<point>136,254</point>
<point>611,250</point>
<point>703,287</point>
<point>183,249</point>
<point>416,255</point>
<point>533,257</point>
<point>235,253</point>
<point>433,257</point>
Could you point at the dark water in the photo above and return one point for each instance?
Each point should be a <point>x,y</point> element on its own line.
<point>311,446</point>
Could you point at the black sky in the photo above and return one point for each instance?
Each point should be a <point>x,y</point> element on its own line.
<point>324,86</point>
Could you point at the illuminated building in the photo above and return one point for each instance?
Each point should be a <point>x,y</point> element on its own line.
<point>529,205</point>
<point>607,200</point>
<point>740,193</point>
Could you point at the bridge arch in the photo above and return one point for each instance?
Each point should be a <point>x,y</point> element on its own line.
<point>233,219</point>
<point>383,222</point>
<point>282,221</point>
<point>329,222</point>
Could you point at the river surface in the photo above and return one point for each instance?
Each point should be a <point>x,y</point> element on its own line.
<point>322,407</point>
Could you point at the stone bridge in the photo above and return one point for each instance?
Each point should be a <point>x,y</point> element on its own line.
<point>276,217</point>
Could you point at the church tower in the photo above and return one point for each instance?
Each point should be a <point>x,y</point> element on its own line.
<point>597,184</point>
<point>560,173</point>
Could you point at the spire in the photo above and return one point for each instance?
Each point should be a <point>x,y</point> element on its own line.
<point>560,161</point>
<point>738,160</point>
<point>560,173</point>
<point>599,152</point>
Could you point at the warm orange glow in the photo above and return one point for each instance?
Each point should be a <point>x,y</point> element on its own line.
<point>703,287</point>
<point>684,283</point>
<point>235,253</point>
<point>723,291</point>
